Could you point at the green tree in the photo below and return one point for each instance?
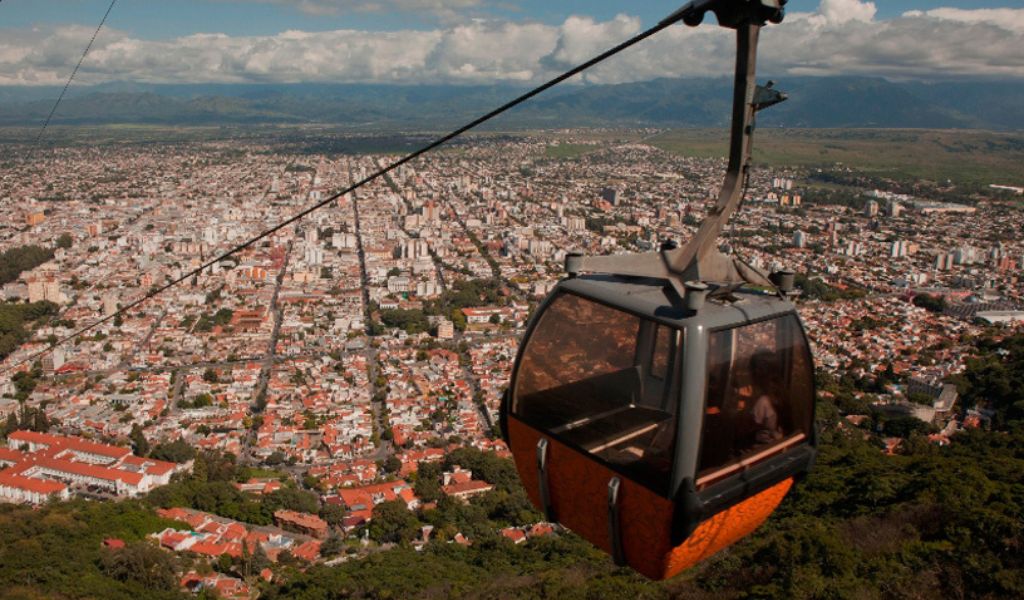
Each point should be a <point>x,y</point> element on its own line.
<point>994,379</point>
<point>139,442</point>
<point>178,451</point>
<point>16,260</point>
<point>333,545</point>
<point>10,425</point>
<point>333,514</point>
<point>921,398</point>
<point>142,563</point>
<point>392,464</point>
<point>392,522</point>
<point>260,560</point>
<point>428,482</point>
<point>290,498</point>
<point>15,319</point>
<point>935,304</point>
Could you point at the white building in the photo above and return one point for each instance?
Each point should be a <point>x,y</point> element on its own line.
<point>39,466</point>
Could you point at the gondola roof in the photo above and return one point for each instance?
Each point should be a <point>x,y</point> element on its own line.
<point>653,299</point>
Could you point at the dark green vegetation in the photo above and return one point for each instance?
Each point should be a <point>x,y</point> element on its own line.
<point>970,157</point>
<point>463,294</point>
<point>935,304</point>
<point>199,401</point>
<point>556,567</point>
<point>995,378</point>
<point>177,451</point>
<point>221,318</point>
<point>65,241</point>
<point>56,552</point>
<point>931,523</point>
<point>209,489</point>
<point>22,258</point>
<point>15,317</point>
<point>412,321</point>
<point>26,417</point>
<point>15,320</point>
<point>814,288</point>
<point>467,294</point>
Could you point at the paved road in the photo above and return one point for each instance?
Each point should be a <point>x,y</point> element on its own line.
<point>495,271</point>
<point>278,315</point>
<point>471,378</point>
<point>179,390</point>
<point>260,390</point>
<point>384,449</point>
<point>125,361</point>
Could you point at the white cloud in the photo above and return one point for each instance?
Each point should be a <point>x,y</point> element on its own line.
<point>486,51</point>
<point>1011,19</point>
<point>837,12</point>
<point>920,45</point>
<point>842,37</point>
<point>333,7</point>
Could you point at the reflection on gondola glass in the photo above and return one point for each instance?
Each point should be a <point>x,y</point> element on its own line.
<point>759,395</point>
<point>602,380</point>
<point>662,343</point>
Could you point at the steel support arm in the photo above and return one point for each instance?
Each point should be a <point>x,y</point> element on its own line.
<point>699,259</point>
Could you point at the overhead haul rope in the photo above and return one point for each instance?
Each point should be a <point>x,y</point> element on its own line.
<point>663,24</point>
<point>74,71</point>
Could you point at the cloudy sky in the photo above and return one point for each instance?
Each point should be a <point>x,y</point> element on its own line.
<point>488,41</point>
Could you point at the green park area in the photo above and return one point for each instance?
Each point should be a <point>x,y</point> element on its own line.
<point>969,157</point>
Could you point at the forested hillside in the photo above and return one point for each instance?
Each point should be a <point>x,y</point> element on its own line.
<point>935,523</point>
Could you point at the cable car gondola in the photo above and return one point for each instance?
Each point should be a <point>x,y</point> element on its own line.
<point>662,404</point>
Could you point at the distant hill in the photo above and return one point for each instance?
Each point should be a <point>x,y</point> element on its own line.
<point>814,102</point>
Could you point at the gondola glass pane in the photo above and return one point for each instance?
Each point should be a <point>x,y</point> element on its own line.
<point>662,352</point>
<point>759,393</point>
<point>600,380</point>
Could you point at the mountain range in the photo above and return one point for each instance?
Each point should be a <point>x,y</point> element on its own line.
<point>814,102</point>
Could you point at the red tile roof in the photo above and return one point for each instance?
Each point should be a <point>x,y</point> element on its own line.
<point>150,465</point>
<point>87,470</point>
<point>13,456</point>
<point>304,520</point>
<point>29,484</point>
<point>308,551</point>
<point>467,487</point>
<point>70,443</point>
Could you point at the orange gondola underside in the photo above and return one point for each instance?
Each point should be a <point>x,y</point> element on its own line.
<point>578,489</point>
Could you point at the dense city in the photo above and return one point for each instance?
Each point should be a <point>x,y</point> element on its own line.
<point>351,359</point>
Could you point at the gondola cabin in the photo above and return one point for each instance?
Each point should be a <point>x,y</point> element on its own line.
<point>662,404</point>
<point>659,433</point>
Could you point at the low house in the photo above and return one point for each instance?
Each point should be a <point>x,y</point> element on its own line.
<point>299,522</point>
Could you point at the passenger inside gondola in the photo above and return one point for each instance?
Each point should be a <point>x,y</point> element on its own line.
<point>764,414</point>
<point>758,394</point>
